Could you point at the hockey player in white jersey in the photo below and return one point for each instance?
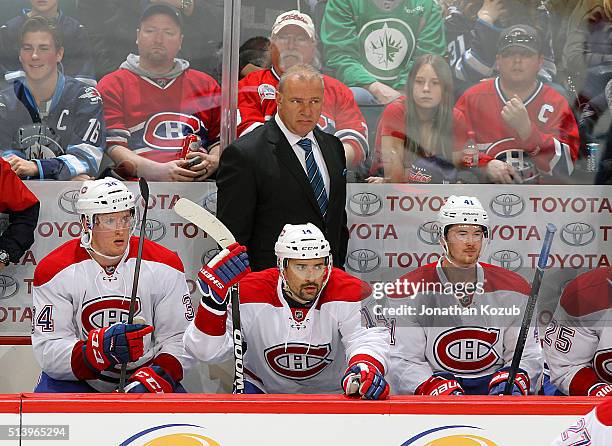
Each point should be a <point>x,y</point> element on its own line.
<point>578,340</point>
<point>301,321</point>
<point>81,299</point>
<point>463,316</point>
<point>594,429</point>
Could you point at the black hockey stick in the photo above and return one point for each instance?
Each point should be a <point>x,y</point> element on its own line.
<point>219,232</point>
<point>144,192</point>
<point>531,303</point>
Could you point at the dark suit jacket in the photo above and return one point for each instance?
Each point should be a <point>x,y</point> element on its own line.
<point>262,186</point>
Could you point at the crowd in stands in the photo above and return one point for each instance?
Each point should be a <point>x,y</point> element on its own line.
<point>406,84</point>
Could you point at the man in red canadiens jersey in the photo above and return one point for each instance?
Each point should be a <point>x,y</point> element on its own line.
<point>81,299</point>
<point>578,340</point>
<point>154,99</point>
<point>293,42</point>
<point>463,317</point>
<point>301,321</point>
<point>524,129</point>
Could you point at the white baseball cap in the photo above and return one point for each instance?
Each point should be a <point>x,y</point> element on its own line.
<point>294,17</point>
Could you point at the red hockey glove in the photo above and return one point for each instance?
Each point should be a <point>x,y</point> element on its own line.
<point>440,384</point>
<point>152,379</point>
<point>600,389</point>
<point>117,344</point>
<point>498,382</point>
<point>365,381</point>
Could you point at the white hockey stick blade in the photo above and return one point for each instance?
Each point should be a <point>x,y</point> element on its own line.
<point>205,221</point>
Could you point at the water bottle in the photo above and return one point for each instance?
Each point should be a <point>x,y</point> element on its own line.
<point>470,151</point>
<point>592,151</point>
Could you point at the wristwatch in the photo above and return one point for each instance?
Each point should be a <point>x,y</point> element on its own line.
<point>4,257</point>
<point>185,4</point>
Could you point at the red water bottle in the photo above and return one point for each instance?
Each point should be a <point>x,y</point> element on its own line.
<point>470,151</point>
<point>191,143</point>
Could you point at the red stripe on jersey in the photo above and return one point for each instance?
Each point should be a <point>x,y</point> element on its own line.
<point>171,365</point>
<point>343,287</point>
<point>425,274</point>
<point>582,381</point>
<point>78,365</point>
<point>154,252</point>
<point>260,288</point>
<point>59,259</point>
<point>588,293</point>
<point>501,279</point>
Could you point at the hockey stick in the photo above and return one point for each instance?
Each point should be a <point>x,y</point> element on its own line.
<point>144,192</point>
<point>531,303</point>
<point>219,232</point>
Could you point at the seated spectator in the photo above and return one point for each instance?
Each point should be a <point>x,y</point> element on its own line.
<point>525,130</point>
<point>293,42</point>
<point>474,26</point>
<point>154,99</point>
<point>372,44</point>
<point>414,135</point>
<point>52,125</point>
<point>77,61</point>
<point>254,55</point>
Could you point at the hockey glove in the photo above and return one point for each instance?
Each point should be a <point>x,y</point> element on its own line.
<point>365,381</point>
<point>117,344</point>
<point>440,384</point>
<point>152,379</point>
<point>498,382</point>
<point>225,269</point>
<point>601,389</point>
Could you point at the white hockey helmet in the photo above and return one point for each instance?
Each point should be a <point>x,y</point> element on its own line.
<point>463,210</point>
<point>102,196</point>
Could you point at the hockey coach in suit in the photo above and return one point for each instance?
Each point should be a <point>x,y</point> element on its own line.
<point>286,171</point>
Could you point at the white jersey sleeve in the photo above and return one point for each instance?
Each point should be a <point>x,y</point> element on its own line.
<point>208,337</point>
<point>594,429</point>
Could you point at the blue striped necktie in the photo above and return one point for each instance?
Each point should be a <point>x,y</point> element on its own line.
<point>314,175</point>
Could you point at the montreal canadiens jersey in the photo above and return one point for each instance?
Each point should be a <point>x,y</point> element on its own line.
<point>73,294</point>
<point>72,128</point>
<point>578,340</point>
<point>340,115</point>
<point>466,337</point>
<point>151,117</point>
<point>552,146</point>
<point>594,429</point>
<point>299,351</point>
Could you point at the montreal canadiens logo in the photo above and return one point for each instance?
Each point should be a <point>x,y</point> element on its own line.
<point>603,364</point>
<point>164,131</point>
<point>106,310</point>
<point>467,349</point>
<point>297,361</point>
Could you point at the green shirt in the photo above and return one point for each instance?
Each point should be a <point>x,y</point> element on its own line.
<point>365,44</point>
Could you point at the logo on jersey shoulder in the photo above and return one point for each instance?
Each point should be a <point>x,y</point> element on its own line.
<point>602,363</point>
<point>164,131</point>
<point>467,349</point>
<point>106,310</point>
<point>92,94</point>
<point>298,361</point>
<point>266,91</point>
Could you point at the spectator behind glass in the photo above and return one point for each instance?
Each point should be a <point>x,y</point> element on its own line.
<point>254,55</point>
<point>372,44</point>
<point>414,135</point>
<point>473,27</point>
<point>52,125</point>
<point>524,129</point>
<point>292,42</point>
<point>77,61</point>
<point>154,99</point>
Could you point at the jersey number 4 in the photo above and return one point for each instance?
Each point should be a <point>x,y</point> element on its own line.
<point>44,320</point>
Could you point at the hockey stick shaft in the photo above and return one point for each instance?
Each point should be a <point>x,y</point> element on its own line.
<point>530,307</point>
<point>218,231</point>
<point>144,192</point>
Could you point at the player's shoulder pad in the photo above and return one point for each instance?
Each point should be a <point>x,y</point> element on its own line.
<point>58,260</point>
<point>343,287</point>
<point>154,252</point>
<point>260,287</point>
<point>425,274</point>
<point>603,412</point>
<point>588,293</point>
<point>501,279</point>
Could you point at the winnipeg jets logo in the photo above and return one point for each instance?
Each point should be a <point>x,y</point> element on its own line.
<point>298,361</point>
<point>92,94</point>
<point>387,47</point>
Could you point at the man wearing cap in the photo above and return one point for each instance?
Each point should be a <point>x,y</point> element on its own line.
<point>293,41</point>
<point>154,99</point>
<point>524,129</point>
